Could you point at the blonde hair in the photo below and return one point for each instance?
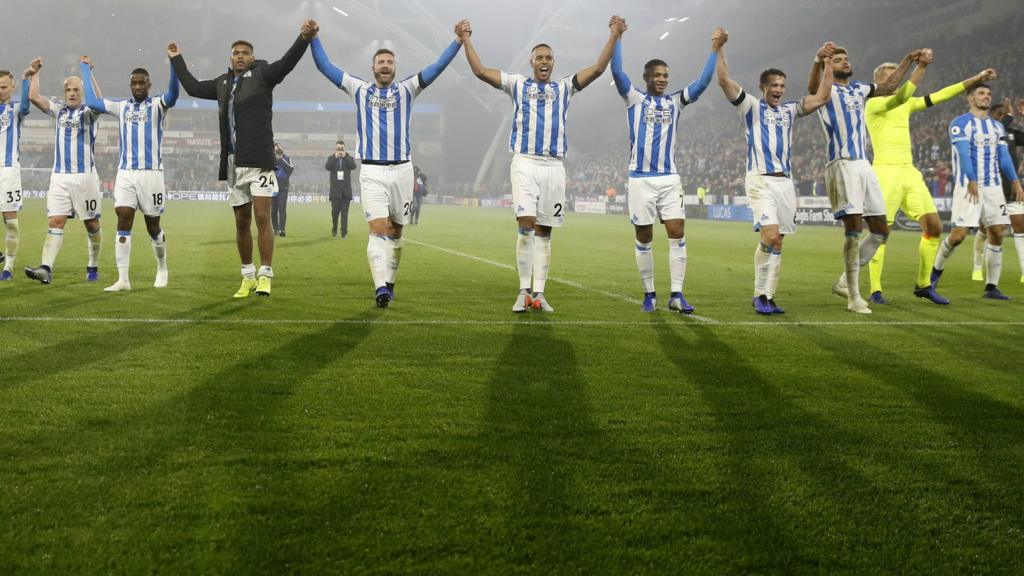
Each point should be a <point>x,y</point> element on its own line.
<point>883,67</point>
<point>70,78</point>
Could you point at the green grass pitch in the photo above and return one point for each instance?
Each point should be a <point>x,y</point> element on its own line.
<point>180,431</point>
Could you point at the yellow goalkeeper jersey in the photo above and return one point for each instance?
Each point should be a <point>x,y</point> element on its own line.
<point>888,121</point>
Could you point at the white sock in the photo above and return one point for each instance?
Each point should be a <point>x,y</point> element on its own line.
<point>541,262</point>
<point>95,243</point>
<point>980,239</point>
<point>676,263</point>
<point>266,271</point>
<point>159,243</point>
<point>869,246</point>
<point>851,259</point>
<point>645,264</point>
<point>376,255</point>
<point>249,271</point>
<point>13,239</point>
<point>762,259</point>
<point>774,265</point>
<point>394,258</point>
<point>52,245</point>
<point>123,254</point>
<point>945,251</point>
<point>524,257</point>
<point>993,264</point>
<point>1018,243</point>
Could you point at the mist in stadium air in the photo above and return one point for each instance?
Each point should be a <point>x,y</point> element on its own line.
<point>459,119</point>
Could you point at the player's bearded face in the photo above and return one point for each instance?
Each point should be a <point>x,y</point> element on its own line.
<point>241,58</point>
<point>981,98</point>
<point>841,68</point>
<point>384,68</point>
<point>543,63</point>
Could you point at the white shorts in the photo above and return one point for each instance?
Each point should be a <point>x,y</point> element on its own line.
<point>74,195</point>
<point>990,209</point>
<point>246,183</point>
<point>387,191</point>
<point>853,188</point>
<point>141,190</point>
<point>655,198</point>
<point>538,188</point>
<point>772,201</point>
<point>1015,208</point>
<point>10,189</point>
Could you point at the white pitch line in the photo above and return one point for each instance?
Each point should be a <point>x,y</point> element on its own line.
<point>563,281</point>
<point>523,322</point>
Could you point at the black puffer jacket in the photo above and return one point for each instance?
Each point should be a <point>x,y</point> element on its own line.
<point>254,101</point>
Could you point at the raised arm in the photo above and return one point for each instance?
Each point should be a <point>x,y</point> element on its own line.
<point>323,63</point>
<point>718,39</point>
<point>170,97</point>
<point>814,101</point>
<point>888,86</point>
<point>23,103</point>
<point>729,86</point>
<point>33,88</point>
<point>587,75</point>
<point>92,98</point>
<point>491,76</point>
<point>204,89</point>
<point>622,83</point>
<point>277,71</point>
<point>824,53</point>
<point>430,73</point>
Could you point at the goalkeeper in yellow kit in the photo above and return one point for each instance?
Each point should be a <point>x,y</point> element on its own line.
<point>903,186</point>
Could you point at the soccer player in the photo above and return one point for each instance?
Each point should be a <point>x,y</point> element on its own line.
<point>979,155</point>
<point>245,96</point>
<point>853,188</point>
<point>768,123</point>
<point>74,185</point>
<point>11,115</point>
<point>903,187</point>
<point>655,188</point>
<point>140,177</point>
<point>538,144</point>
<point>383,120</point>
<point>1014,140</point>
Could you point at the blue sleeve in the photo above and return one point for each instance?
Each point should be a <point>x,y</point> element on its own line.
<point>622,83</point>
<point>23,107</point>
<point>323,63</point>
<point>173,90</point>
<point>91,100</point>
<point>963,149</point>
<point>1006,163</point>
<point>430,73</point>
<point>697,87</point>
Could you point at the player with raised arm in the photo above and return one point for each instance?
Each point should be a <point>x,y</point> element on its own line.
<point>979,155</point>
<point>538,143</point>
<point>383,122</point>
<point>11,116</point>
<point>902,184</point>
<point>768,124</point>
<point>245,100</point>
<point>74,185</point>
<point>655,188</point>
<point>853,188</point>
<point>140,178</point>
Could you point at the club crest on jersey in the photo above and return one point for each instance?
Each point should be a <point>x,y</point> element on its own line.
<point>533,92</point>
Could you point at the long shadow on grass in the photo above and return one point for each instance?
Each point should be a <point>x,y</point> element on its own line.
<point>218,460</point>
<point>801,505</point>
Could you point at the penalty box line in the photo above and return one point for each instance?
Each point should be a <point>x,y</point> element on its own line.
<point>556,279</point>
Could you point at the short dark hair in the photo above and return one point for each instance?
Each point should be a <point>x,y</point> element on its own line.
<point>142,71</point>
<point>840,50</point>
<point>342,142</point>
<point>381,51</point>
<point>243,43</point>
<point>6,73</point>
<point>977,86</point>
<point>541,45</point>
<point>767,74</point>
<point>652,63</point>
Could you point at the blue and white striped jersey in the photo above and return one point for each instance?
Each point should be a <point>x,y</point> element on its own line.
<point>538,124</point>
<point>985,137</point>
<point>142,131</point>
<point>75,138</point>
<point>11,116</point>
<point>769,134</point>
<point>383,117</point>
<point>843,121</point>
<point>652,131</point>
